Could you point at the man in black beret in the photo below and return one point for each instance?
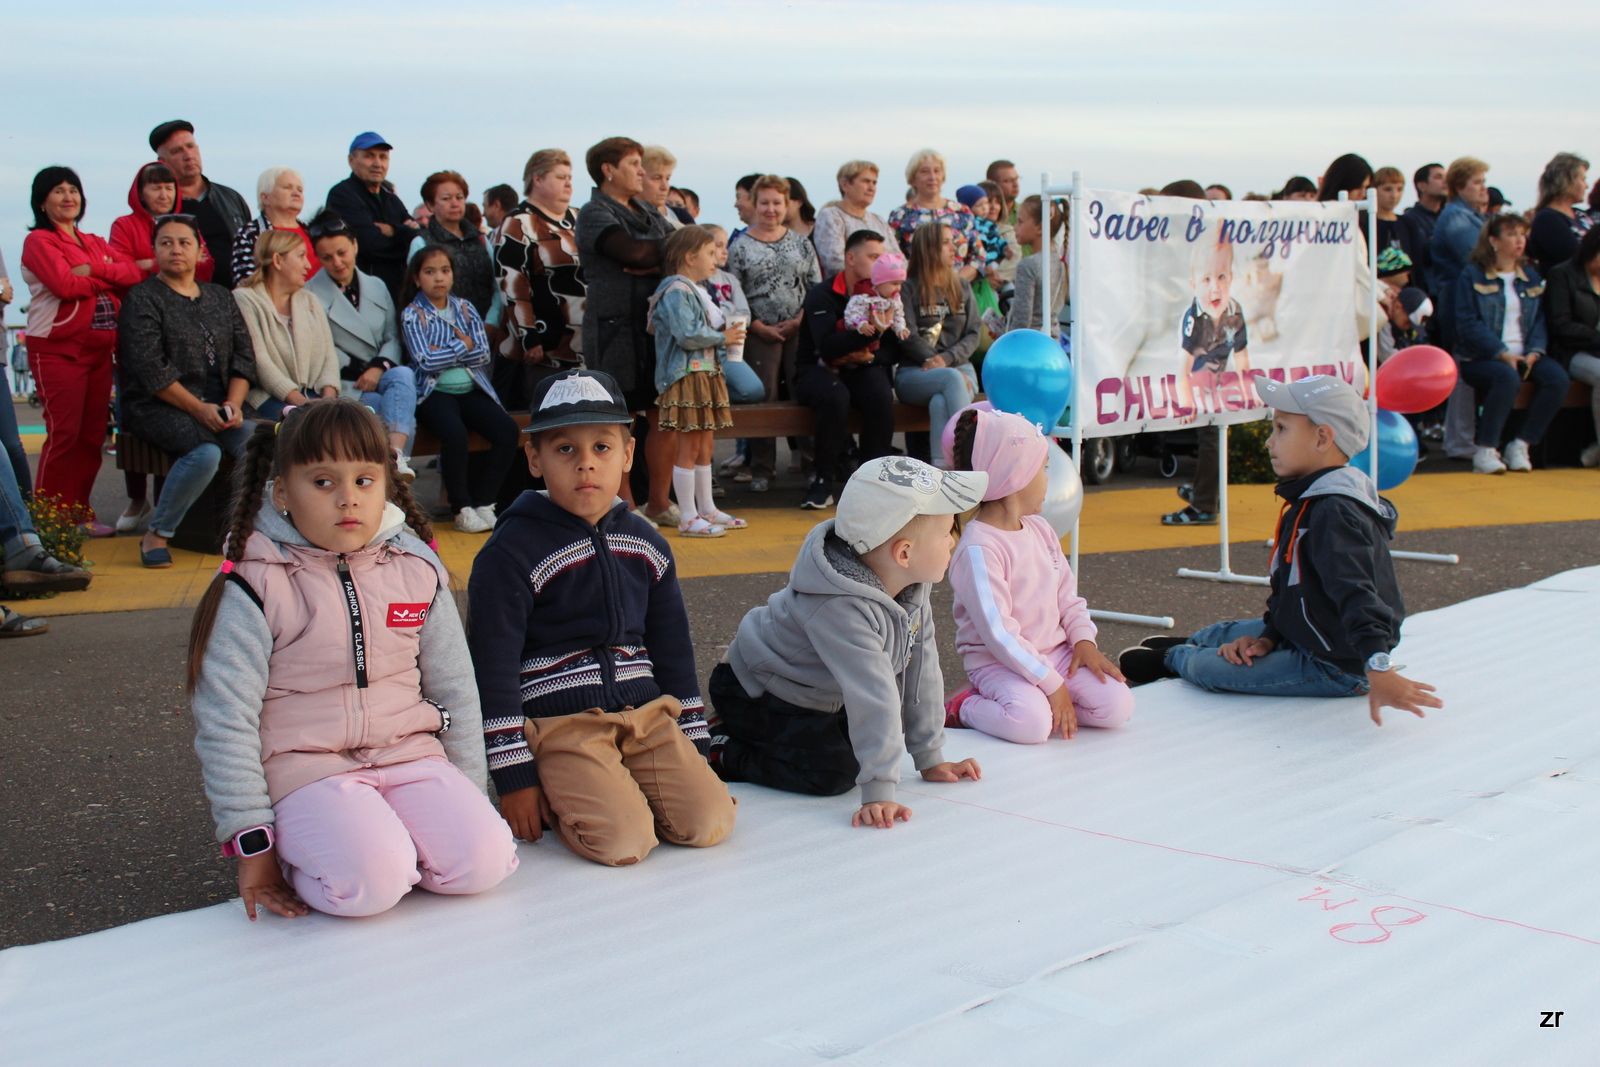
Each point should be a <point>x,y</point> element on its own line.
<point>218,210</point>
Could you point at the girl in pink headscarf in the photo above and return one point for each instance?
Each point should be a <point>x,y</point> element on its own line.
<point>1022,630</point>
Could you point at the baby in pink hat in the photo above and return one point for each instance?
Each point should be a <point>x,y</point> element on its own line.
<point>874,314</point>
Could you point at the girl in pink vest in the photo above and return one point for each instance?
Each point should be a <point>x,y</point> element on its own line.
<point>1022,630</point>
<point>336,714</point>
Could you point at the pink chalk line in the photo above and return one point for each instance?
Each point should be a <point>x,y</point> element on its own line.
<point>1277,867</point>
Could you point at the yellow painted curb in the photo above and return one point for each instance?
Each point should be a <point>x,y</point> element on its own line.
<point>1114,520</point>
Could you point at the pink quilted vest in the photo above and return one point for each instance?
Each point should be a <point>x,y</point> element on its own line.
<point>343,686</point>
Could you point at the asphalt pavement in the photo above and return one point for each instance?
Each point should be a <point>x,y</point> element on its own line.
<point>104,821</point>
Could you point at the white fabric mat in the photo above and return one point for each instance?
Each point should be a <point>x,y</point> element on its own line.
<point>1228,880</point>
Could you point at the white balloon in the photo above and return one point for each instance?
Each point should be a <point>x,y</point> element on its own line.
<point>1063,496</point>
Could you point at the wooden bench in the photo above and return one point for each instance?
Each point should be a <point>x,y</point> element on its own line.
<point>201,528</point>
<point>749,420</point>
<point>141,457</point>
<point>1577,396</point>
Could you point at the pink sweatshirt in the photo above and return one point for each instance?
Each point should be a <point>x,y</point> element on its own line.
<point>1016,600</point>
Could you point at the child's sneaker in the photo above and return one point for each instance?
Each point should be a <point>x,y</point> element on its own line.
<point>719,744</point>
<point>1487,461</point>
<point>952,709</point>
<point>1161,642</point>
<point>1516,456</point>
<point>1141,665</point>
<point>402,468</point>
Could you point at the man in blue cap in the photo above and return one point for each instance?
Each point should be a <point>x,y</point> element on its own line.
<point>367,202</point>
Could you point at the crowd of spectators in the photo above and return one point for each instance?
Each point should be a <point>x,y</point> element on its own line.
<point>448,316</point>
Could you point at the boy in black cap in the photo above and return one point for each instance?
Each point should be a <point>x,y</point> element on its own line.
<point>580,641</point>
<point>1334,612</point>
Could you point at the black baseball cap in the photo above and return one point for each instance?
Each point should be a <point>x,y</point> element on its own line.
<point>577,398</point>
<point>161,133</point>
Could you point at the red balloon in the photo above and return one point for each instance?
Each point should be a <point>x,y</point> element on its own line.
<point>1416,379</point>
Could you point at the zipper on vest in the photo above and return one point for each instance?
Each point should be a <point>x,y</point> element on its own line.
<point>358,637</point>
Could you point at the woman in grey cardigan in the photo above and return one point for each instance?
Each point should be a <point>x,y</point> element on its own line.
<point>936,360</point>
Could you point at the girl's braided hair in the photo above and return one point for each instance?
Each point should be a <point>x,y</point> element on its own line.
<point>337,429</point>
<point>966,432</point>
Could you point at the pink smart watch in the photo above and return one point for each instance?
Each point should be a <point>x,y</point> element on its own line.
<point>250,842</point>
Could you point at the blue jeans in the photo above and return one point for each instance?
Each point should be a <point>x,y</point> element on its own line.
<point>11,439</point>
<point>744,384</point>
<point>190,474</point>
<point>271,409</point>
<point>16,522</point>
<point>1286,671</point>
<point>395,402</point>
<point>1498,383</point>
<point>944,390</point>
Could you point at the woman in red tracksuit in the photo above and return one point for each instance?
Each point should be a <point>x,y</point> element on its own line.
<point>74,279</point>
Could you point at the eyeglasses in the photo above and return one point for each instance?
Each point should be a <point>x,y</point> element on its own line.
<point>175,216</point>
<point>327,227</point>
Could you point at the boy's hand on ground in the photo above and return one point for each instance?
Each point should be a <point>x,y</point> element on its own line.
<point>1088,654</point>
<point>527,812</point>
<point>953,772</point>
<point>1391,689</point>
<point>881,814</point>
<point>261,882</point>
<point>1244,651</point>
<point>1063,716</point>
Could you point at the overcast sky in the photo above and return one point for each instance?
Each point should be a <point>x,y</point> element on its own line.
<point>1136,93</point>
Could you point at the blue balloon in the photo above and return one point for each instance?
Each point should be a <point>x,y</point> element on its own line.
<point>1397,451</point>
<point>1026,373</point>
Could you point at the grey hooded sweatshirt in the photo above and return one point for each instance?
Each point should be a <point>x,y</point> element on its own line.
<point>834,640</point>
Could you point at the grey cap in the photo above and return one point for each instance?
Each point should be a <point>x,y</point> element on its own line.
<point>1326,401</point>
<point>885,494</point>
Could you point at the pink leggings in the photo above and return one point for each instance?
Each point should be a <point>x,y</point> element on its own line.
<point>354,844</point>
<point>1010,707</point>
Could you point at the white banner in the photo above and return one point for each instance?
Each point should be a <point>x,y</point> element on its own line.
<point>1181,302</point>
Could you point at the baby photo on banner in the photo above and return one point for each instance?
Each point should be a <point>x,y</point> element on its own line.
<point>1181,303</point>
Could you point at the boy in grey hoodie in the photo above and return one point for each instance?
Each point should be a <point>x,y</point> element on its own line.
<point>830,681</point>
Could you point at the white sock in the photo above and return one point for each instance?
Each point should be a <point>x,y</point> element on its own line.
<point>702,489</point>
<point>683,486</point>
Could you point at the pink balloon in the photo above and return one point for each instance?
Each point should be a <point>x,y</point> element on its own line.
<point>947,436</point>
<point>1416,379</point>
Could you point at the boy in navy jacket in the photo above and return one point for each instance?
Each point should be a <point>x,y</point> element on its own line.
<point>1334,612</point>
<point>580,642</point>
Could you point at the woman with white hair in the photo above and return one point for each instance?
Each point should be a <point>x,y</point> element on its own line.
<point>925,173</point>
<point>281,194</point>
<point>858,187</point>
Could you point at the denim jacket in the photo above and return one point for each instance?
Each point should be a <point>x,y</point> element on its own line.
<point>1480,310</point>
<point>685,340</point>
<point>1453,237</point>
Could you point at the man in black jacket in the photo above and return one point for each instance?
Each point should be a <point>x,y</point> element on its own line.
<point>367,202</point>
<point>840,369</point>
<point>219,212</point>
<point>1334,612</point>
